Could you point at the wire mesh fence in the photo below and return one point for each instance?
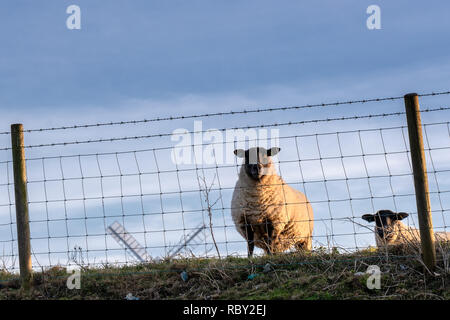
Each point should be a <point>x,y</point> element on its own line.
<point>171,188</point>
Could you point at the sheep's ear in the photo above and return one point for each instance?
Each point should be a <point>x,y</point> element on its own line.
<point>273,151</point>
<point>401,215</point>
<point>369,217</point>
<point>240,153</point>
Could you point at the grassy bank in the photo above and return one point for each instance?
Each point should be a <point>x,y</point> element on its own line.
<point>315,275</point>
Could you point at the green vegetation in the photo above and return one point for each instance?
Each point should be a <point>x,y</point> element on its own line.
<point>311,276</point>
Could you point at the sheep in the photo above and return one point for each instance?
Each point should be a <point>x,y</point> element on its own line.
<point>389,230</point>
<point>266,211</point>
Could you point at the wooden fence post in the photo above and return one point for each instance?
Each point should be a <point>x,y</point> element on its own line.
<point>420,179</point>
<point>21,201</point>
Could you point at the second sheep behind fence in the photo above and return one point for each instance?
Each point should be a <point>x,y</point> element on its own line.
<point>389,230</point>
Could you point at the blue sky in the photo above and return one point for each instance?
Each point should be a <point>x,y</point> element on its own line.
<point>160,49</point>
<point>143,59</point>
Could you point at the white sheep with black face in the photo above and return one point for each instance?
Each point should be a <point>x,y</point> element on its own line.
<point>389,230</point>
<point>267,212</point>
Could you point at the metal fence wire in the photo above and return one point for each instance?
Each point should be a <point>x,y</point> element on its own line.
<point>167,191</point>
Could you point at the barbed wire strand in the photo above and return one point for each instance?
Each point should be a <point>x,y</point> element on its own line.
<point>370,116</point>
<point>237,112</point>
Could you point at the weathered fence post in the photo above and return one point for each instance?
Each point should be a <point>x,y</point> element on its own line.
<point>420,179</point>
<point>21,201</point>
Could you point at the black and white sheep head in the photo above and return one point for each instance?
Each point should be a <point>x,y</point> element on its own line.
<point>386,223</point>
<point>257,161</point>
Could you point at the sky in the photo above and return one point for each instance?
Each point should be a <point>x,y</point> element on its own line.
<point>146,59</point>
<point>162,50</point>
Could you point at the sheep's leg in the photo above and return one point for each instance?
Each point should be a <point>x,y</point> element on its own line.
<point>301,246</point>
<point>250,240</point>
<point>269,230</point>
<point>304,245</point>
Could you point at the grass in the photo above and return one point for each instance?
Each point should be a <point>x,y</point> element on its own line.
<point>310,276</point>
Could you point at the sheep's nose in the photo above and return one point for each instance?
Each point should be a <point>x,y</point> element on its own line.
<point>254,171</point>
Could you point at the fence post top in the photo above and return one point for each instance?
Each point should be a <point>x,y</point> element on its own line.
<point>410,95</point>
<point>16,125</point>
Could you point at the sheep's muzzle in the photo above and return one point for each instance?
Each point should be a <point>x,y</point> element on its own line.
<point>254,171</point>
